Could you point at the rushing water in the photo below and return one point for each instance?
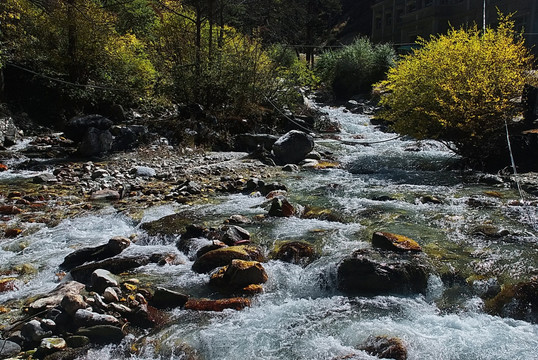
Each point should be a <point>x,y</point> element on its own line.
<point>301,314</point>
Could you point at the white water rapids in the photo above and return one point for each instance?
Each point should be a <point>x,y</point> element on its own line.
<point>301,314</point>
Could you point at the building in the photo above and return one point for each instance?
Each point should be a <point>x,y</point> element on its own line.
<point>402,21</point>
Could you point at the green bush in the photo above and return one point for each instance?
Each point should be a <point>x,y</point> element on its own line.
<point>460,88</point>
<point>354,68</point>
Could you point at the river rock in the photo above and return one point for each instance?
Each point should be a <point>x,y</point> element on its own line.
<point>519,301</point>
<point>71,303</point>
<point>9,133</point>
<point>55,297</point>
<point>85,318</point>
<point>292,147</point>
<point>281,207</point>
<point>50,345</point>
<point>221,257</point>
<point>385,347</point>
<point>143,171</point>
<point>110,294</point>
<point>77,341</point>
<point>102,334</point>
<point>239,274</point>
<point>8,349</point>
<point>238,219</point>
<point>105,194</point>
<point>237,303</point>
<point>95,142</point>
<point>394,242</point>
<point>251,142</point>
<point>212,245</point>
<point>377,272</point>
<point>33,331</point>
<point>44,178</point>
<point>117,265</point>
<point>101,279</point>
<point>233,234</point>
<point>295,252</point>
<point>174,224</point>
<point>77,127</point>
<point>165,298</point>
<point>114,247</point>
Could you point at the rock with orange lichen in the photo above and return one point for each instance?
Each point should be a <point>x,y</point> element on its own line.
<point>394,242</point>
<point>239,274</point>
<point>237,303</point>
<point>224,256</point>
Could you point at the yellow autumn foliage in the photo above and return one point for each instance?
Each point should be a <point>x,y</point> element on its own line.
<point>459,88</point>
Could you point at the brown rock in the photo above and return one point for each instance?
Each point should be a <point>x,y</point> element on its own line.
<point>295,252</point>
<point>105,194</point>
<point>9,210</point>
<point>237,303</point>
<point>394,242</point>
<point>386,347</point>
<point>223,256</point>
<point>12,232</point>
<point>239,274</point>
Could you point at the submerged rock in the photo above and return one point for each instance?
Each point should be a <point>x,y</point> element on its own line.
<point>519,301</point>
<point>385,347</point>
<point>295,252</point>
<point>237,303</point>
<point>371,272</point>
<point>394,242</point>
<point>281,207</point>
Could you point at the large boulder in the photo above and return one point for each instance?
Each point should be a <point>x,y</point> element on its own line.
<point>77,127</point>
<point>250,142</point>
<point>95,142</point>
<point>9,133</point>
<point>292,147</point>
<point>377,272</point>
<point>224,256</point>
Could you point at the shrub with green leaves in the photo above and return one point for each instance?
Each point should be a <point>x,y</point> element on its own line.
<point>460,88</point>
<point>354,68</point>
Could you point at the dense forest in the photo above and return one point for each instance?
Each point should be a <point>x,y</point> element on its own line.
<point>60,58</point>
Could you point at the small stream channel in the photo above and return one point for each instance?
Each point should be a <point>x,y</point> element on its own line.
<point>476,235</point>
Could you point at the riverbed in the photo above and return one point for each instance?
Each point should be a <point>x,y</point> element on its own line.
<point>479,236</point>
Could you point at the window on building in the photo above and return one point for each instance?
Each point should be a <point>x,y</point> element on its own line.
<point>388,19</point>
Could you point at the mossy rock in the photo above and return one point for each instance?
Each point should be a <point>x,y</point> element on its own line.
<point>394,242</point>
<point>519,301</point>
<point>313,212</point>
<point>174,224</point>
<point>295,252</point>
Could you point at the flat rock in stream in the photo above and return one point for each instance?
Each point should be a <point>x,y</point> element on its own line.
<point>114,247</point>
<point>174,224</point>
<point>379,272</point>
<point>55,297</point>
<point>115,265</point>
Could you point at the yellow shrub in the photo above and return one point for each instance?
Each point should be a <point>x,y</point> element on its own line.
<point>459,88</point>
